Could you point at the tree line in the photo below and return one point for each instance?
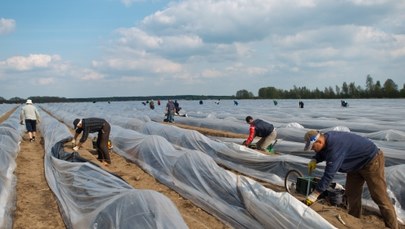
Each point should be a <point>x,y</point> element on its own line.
<point>55,99</point>
<point>372,90</point>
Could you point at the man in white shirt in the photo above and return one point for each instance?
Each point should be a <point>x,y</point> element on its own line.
<point>29,115</point>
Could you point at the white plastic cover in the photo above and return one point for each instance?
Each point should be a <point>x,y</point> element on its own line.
<point>10,138</point>
<point>291,123</point>
<point>90,197</point>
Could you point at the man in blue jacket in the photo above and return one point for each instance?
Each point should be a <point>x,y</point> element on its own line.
<point>262,129</point>
<point>363,162</point>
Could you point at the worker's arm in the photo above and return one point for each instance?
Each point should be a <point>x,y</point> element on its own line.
<point>251,135</point>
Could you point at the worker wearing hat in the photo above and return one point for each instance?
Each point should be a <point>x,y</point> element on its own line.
<point>29,114</point>
<point>91,125</point>
<point>363,162</point>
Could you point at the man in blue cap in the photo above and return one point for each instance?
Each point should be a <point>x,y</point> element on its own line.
<point>363,162</point>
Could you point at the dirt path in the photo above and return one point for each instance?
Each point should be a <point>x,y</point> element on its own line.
<point>36,204</point>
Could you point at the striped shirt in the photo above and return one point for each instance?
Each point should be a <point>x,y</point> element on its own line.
<point>90,125</point>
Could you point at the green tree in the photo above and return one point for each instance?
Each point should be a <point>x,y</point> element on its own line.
<point>329,93</point>
<point>353,90</point>
<point>244,94</point>
<point>378,91</point>
<point>402,91</point>
<point>345,89</point>
<point>369,86</point>
<point>269,93</point>
<point>16,100</point>
<point>390,89</point>
<point>337,89</point>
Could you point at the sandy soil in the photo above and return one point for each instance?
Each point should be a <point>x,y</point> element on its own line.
<point>37,208</point>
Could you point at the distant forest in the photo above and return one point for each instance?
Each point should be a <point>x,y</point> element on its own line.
<point>53,99</point>
<point>372,90</point>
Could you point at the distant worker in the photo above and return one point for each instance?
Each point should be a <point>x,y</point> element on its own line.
<point>92,125</point>
<point>201,102</point>
<point>262,129</point>
<point>170,110</point>
<point>301,104</point>
<point>158,102</point>
<point>177,107</point>
<point>29,114</point>
<point>275,102</point>
<point>363,162</point>
<point>152,105</point>
<point>344,103</point>
<point>235,103</point>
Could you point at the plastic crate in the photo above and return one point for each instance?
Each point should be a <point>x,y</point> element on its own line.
<point>302,184</point>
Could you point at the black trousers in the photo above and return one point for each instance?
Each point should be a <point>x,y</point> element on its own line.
<point>102,143</point>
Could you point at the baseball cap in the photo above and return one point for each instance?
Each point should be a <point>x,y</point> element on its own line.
<point>310,137</point>
<point>29,101</point>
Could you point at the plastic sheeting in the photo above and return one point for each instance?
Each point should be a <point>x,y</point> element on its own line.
<point>198,178</point>
<point>291,123</point>
<point>90,197</point>
<point>10,138</point>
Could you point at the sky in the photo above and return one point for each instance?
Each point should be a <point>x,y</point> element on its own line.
<point>108,48</point>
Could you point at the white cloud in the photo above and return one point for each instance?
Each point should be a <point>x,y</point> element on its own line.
<point>7,25</point>
<point>139,63</point>
<point>369,34</point>
<point>30,62</point>
<point>160,18</point>
<point>137,38</point>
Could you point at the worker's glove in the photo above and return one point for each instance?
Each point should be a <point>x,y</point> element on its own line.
<point>73,143</point>
<point>76,148</point>
<point>311,165</point>
<point>244,143</point>
<point>22,123</point>
<point>312,198</point>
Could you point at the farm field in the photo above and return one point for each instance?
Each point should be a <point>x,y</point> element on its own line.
<point>219,126</point>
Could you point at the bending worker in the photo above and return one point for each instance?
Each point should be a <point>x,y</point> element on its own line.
<point>91,125</point>
<point>262,129</point>
<point>363,162</point>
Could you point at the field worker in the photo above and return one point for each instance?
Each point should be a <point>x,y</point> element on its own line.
<point>92,125</point>
<point>262,129</point>
<point>170,110</point>
<point>29,114</point>
<point>363,162</point>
